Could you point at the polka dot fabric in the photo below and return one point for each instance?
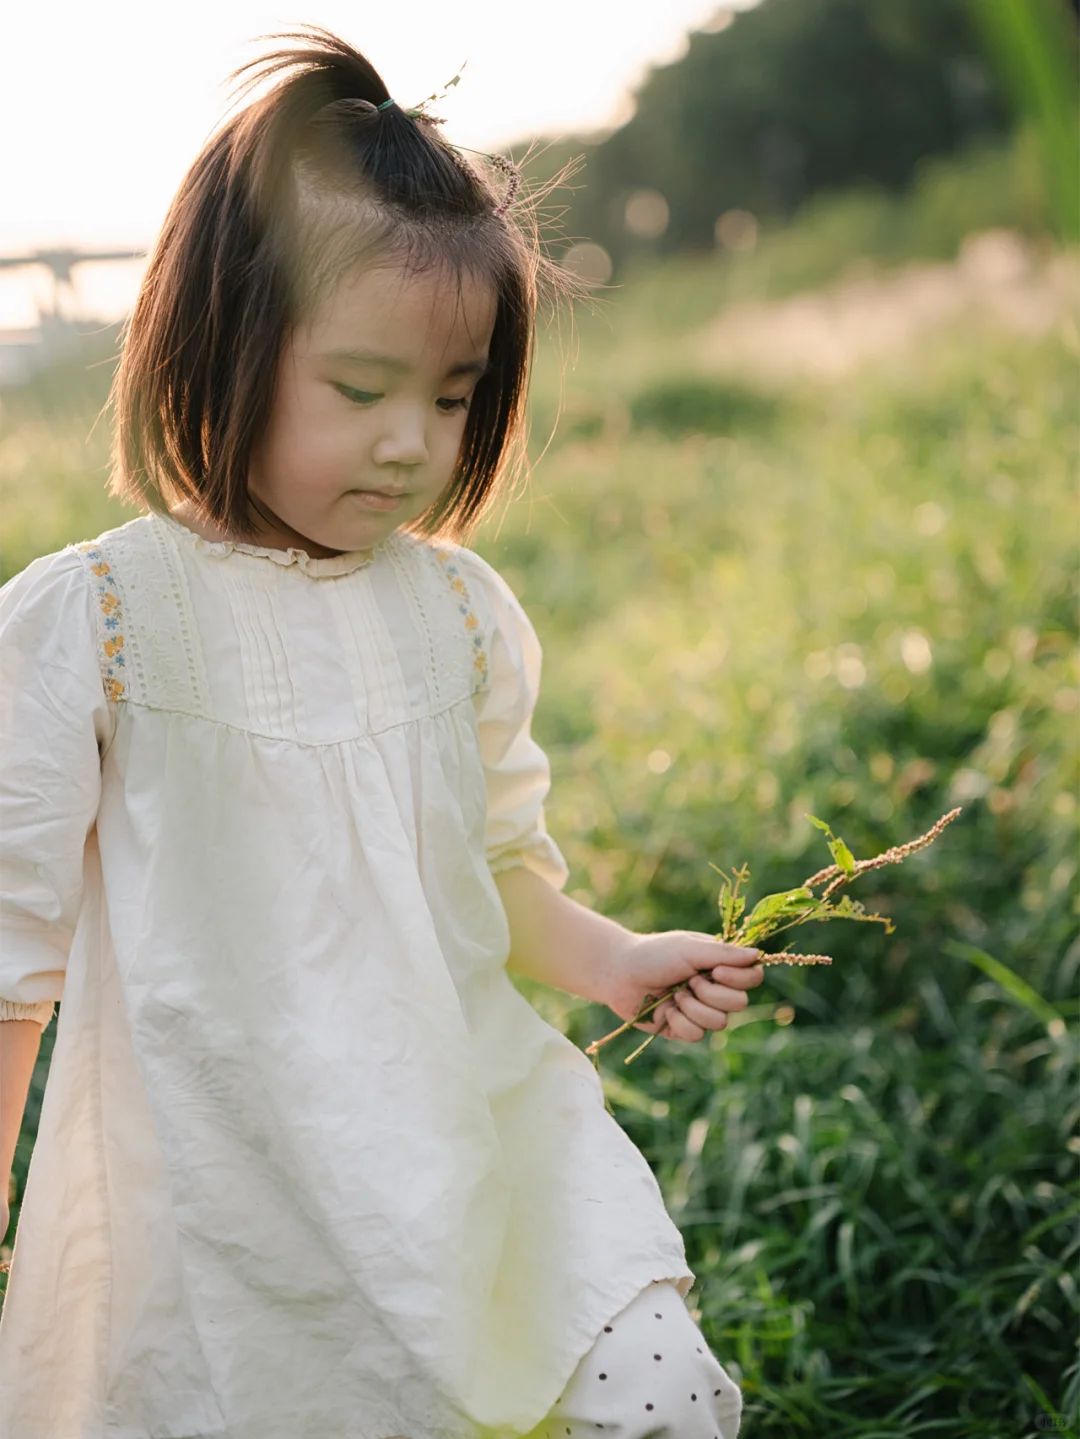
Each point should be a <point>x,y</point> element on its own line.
<point>650,1375</point>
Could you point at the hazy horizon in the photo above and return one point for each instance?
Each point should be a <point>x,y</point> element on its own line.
<point>82,175</point>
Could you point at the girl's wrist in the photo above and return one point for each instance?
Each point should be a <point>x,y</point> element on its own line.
<point>560,942</point>
<point>613,966</point>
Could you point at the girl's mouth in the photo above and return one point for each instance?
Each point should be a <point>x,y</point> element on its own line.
<point>377,499</point>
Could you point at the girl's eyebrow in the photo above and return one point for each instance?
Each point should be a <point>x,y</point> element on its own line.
<point>479,366</point>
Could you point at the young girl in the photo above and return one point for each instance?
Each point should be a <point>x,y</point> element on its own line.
<point>309,1166</point>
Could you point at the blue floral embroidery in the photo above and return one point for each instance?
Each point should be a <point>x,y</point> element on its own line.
<point>109,602</point>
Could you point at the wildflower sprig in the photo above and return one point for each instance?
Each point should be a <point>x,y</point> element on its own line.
<point>785,910</point>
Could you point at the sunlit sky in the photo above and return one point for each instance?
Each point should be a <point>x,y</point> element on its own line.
<point>104,105</point>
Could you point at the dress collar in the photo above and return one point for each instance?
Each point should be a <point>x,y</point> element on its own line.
<point>325,567</point>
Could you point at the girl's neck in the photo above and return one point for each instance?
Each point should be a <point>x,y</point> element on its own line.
<point>271,532</point>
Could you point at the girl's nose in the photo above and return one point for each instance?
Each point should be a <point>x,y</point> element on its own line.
<point>403,440</point>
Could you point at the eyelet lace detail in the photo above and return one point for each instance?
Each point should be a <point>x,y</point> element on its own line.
<point>149,654</point>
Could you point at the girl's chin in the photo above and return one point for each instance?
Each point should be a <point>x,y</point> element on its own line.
<point>363,524</point>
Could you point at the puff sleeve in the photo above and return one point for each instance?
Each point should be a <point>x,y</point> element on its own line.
<point>516,770</point>
<point>55,722</point>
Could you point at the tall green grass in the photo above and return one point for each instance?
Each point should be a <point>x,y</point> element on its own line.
<point>858,601</point>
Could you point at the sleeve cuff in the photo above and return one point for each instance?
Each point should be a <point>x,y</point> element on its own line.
<point>543,857</point>
<point>41,1012</point>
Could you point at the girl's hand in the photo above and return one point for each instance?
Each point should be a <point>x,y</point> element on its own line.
<point>720,976</point>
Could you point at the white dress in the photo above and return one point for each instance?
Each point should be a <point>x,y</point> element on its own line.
<point>309,1166</point>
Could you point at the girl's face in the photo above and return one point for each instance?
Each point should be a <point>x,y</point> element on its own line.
<point>370,409</point>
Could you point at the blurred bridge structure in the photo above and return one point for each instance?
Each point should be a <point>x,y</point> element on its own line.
<point>24,351</point>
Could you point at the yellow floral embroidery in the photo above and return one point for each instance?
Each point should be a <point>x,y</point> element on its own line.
<point>111,608</point>
<point>472,624</point>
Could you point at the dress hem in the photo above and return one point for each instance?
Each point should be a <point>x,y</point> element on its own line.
<point>621,1296</point>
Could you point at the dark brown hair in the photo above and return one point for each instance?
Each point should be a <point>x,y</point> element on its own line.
<point>307,181</point>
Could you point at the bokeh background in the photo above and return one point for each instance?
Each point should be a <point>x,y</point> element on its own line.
<point>800,537</point>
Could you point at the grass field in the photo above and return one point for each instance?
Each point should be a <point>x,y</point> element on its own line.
<point>850,594</point>
<point>853,599</point>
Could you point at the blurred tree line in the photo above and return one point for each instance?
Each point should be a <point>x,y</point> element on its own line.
<point>771,105</point>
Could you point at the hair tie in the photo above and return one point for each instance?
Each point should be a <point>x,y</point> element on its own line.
<point>416,114</point>
<point>510,172</point>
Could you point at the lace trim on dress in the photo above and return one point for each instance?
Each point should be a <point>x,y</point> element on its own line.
<point>148,651</point>
<point>428,618</point>
<point>175,670</point>
<point>318,567</point>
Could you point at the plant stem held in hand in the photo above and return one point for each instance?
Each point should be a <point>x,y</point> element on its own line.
<point>786,910</point>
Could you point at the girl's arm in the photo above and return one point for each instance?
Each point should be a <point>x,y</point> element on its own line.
<point>19,1042</point>
<point>552,938</point>
<point>55,723</point>
<point>559,942</point>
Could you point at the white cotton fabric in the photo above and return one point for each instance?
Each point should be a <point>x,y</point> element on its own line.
<point>309,1166</point>
<point>650,1375</point>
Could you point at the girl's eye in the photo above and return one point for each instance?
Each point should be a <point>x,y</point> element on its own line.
<point>368,397</point>
<point>359,397</point>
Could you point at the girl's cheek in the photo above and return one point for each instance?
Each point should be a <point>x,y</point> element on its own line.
<point>347,438</point>
<point>455,441</point>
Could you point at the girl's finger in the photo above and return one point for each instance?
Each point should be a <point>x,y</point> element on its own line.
<point>657,1018</point>
<point>708,1016</point>
<point>736,978</point>
<point>718,996</point>
<point>735,954</point>
<point>680,1026</point>
<point>703,952</point>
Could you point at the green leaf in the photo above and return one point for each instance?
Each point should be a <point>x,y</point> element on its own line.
<point>778,911</point>
<point>781,905</point>
<point>1048,1406</point>
<point>725,899</point>
<point>730,902</point>
<point>731,908</point>
<point>842,856</point>
<point>1011,983</point>
<point>848,908</point>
